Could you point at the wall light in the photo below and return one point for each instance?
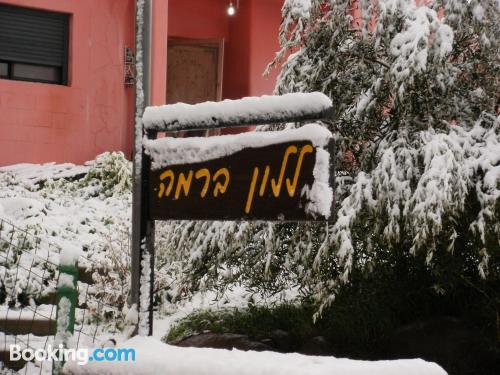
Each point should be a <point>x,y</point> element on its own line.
<point>231,9</point>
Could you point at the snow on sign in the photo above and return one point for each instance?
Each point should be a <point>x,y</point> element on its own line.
<point>266,109</point>
<point>281,175</point>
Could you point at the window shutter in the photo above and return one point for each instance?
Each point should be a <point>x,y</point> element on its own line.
<point>33,36</point>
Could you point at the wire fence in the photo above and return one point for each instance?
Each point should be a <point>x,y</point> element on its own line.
<point>28,282</point>
<point>29,275</point>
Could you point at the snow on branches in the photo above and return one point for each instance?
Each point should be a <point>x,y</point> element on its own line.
<point>419,184</point>
<point>415,93</point>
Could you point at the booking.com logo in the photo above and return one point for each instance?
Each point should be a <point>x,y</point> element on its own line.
<point>82,356</point>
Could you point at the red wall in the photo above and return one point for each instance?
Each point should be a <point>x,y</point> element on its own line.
<point>42,122</point>
<point>252,44</point>
<point>250,36</point>
<point>238,54</point>
<point>198,19</point>
<point>264,28</point>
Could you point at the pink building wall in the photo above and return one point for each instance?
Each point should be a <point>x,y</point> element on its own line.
<point>159,40</point>
<point>253,41</point>
<point>94,112</point>
<point>43,122</point>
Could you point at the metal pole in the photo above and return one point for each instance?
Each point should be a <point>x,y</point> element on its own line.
<point>141,230</point>
<point>65,318</point>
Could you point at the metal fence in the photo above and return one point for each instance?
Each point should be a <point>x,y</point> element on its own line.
<point>29,275</point>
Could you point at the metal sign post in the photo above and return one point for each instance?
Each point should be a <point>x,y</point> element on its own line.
<point>141,228</point>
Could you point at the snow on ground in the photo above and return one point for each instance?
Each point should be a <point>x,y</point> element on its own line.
<point>154,357</point>
<point>80,218</point>
<point>32,174</point>
<point>73,218</point>
<point>78,215</point>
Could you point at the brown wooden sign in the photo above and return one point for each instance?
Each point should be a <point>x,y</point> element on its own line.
<point>269,176</point>
<point>265,183</point>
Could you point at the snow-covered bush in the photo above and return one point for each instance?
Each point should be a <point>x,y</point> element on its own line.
<point>110,174</point>
<point>26,271</point>
<point>415,89</point>
<point>90,211</point>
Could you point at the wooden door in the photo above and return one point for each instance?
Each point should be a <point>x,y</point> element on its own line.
<point>194,71</point>
<point>194,74</point>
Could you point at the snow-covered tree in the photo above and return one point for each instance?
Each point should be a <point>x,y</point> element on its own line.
<point>415,89</point>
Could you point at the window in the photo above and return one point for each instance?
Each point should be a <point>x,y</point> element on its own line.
<point>4,70</point>
<point>33,45</point>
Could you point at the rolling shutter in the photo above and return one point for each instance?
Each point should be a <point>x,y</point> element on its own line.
<point>34,37</point>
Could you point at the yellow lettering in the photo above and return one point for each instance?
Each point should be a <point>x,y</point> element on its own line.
<point>264,181</point>
<point>292,186</point>
<point>203,173</point>
<point>221,188</point>
<point>255,176</point>
<point>276,186</point>
<point>184,184</point>
<point>163,176</point>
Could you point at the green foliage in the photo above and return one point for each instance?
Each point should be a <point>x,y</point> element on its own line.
<point>110,174</point>
<point>255,321</point>
<point>18,259</point>
<point>399,289</point>
<point>415,98</point>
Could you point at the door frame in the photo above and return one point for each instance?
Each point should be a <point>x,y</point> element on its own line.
<point>211,43</point>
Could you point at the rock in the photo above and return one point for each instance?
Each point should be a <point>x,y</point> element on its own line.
<point>223,341</point>
<point>450,342</point>
<point>269,343</point>
<point>281,341</point>
<point>316,346</point>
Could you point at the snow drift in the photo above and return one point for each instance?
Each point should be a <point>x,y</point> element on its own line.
<point>154,357</point>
